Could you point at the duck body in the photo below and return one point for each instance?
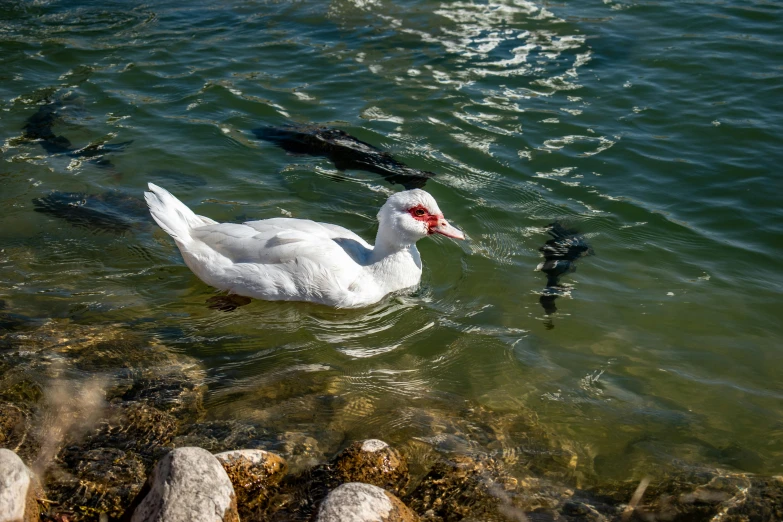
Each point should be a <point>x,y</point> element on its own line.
<point>286,259</point>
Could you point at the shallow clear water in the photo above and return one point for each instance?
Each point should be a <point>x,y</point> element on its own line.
<point>653,128</point>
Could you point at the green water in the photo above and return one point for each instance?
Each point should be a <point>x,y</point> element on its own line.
<point>653,127</point>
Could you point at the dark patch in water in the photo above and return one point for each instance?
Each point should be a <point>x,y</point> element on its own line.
<point>227,303</point>
<point>109,212</point>
<point>560,256</point>
<point>345,151</point>
<point>40,127</point>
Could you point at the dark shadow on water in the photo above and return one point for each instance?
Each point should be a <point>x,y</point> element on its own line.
<point>561,253</point>
<point>345,151</point>
<point>112,212</point>
<point>227,303</point>
<point>40,127</point>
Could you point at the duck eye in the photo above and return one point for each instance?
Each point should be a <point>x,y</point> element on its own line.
<point>419,212</point>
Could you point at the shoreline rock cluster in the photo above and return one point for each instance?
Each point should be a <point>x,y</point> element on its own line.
<point>369,482</point>
<point>132,442</point>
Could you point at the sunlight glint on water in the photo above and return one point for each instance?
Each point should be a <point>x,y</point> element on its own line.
<point>626,119</point>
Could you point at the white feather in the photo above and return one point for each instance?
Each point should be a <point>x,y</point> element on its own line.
<point>296,259</point>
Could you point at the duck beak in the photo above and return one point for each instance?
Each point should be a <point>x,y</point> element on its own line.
<point>447,230</point>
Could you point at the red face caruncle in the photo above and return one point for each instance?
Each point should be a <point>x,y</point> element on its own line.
<point>420,213</point>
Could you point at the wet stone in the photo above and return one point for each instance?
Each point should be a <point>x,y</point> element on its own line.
<point>373,462</point>
<point>764,501</point>
<point>140,428</point>
<point>100,481</point>
<point>218,436</point>
<point>18,489</point>
<point>466,487</point>
<point>301,450</point>
<point>357,502</point>
<point>105,470</point>
<point>13,426</point>
<point>700,494</point>
<point>187,484</point>
<point>253,473</point>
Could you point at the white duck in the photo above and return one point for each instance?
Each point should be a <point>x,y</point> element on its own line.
<point>286,259</point>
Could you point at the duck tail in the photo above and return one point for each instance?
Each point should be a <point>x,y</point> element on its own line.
<point>171,214</point>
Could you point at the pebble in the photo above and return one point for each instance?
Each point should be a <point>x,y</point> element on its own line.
<point>252,472</point>
<point>373,462</point>
<point>358,502</point>
<point>187,484</point>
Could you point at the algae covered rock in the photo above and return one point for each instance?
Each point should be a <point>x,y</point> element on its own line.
<point>252,472</point>
<point>187,484</point>
<point>357,502</point>
<point>13,425</point>
<point>18,489</point>
<point>373,462</point>
<point>218,436</point>
<point>104,471</point>
<point>466,487</point>
<point>699,494</point>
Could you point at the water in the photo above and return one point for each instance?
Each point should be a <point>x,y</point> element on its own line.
<point>653,128</point>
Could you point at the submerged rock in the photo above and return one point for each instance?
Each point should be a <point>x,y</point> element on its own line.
<point>187,484</point>
<point>373,462</point>
<point>220,436</point>
<point>18,489</point>
<point>253,473</point>
<point>103,472</point>
<point>98,481</point>
<point>357,502</point>
<point>13,426</point>
<point>298,496</point>
<point>479,488</point>
<point>97,438</point>
<point>697,495</point>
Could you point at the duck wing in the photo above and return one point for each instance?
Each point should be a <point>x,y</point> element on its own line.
<point>284,240</point>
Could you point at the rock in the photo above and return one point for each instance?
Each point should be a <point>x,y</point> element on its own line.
<point>187,484</point>
<point>252,472</point>
<point>18,489</point>
<point>97,481</point>
<point>13,425</point>
<point>357,502</point>
<point>217,436</point>
<point>478,488</point>
<point>373,462</point>
<point>301,450</point>
<point>697,494</point>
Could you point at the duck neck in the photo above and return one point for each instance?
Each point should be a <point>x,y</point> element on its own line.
<point>389,244</point>
<point>396,263</point>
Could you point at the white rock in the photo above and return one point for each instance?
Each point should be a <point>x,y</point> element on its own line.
<point>373,445</point>
<point>188,484</point>
<point>255,456</point>
<point>355,502</point>
<point>16,480</point>
<point>358,502</point>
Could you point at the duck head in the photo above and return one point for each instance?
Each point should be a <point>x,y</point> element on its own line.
<point>411,215</point>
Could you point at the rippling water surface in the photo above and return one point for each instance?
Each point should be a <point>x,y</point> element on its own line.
<point>652,128</point>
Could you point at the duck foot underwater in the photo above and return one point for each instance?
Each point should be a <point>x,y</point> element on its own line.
<point>227,303</point>
<point>345,151</point>
<point>561,253</point>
